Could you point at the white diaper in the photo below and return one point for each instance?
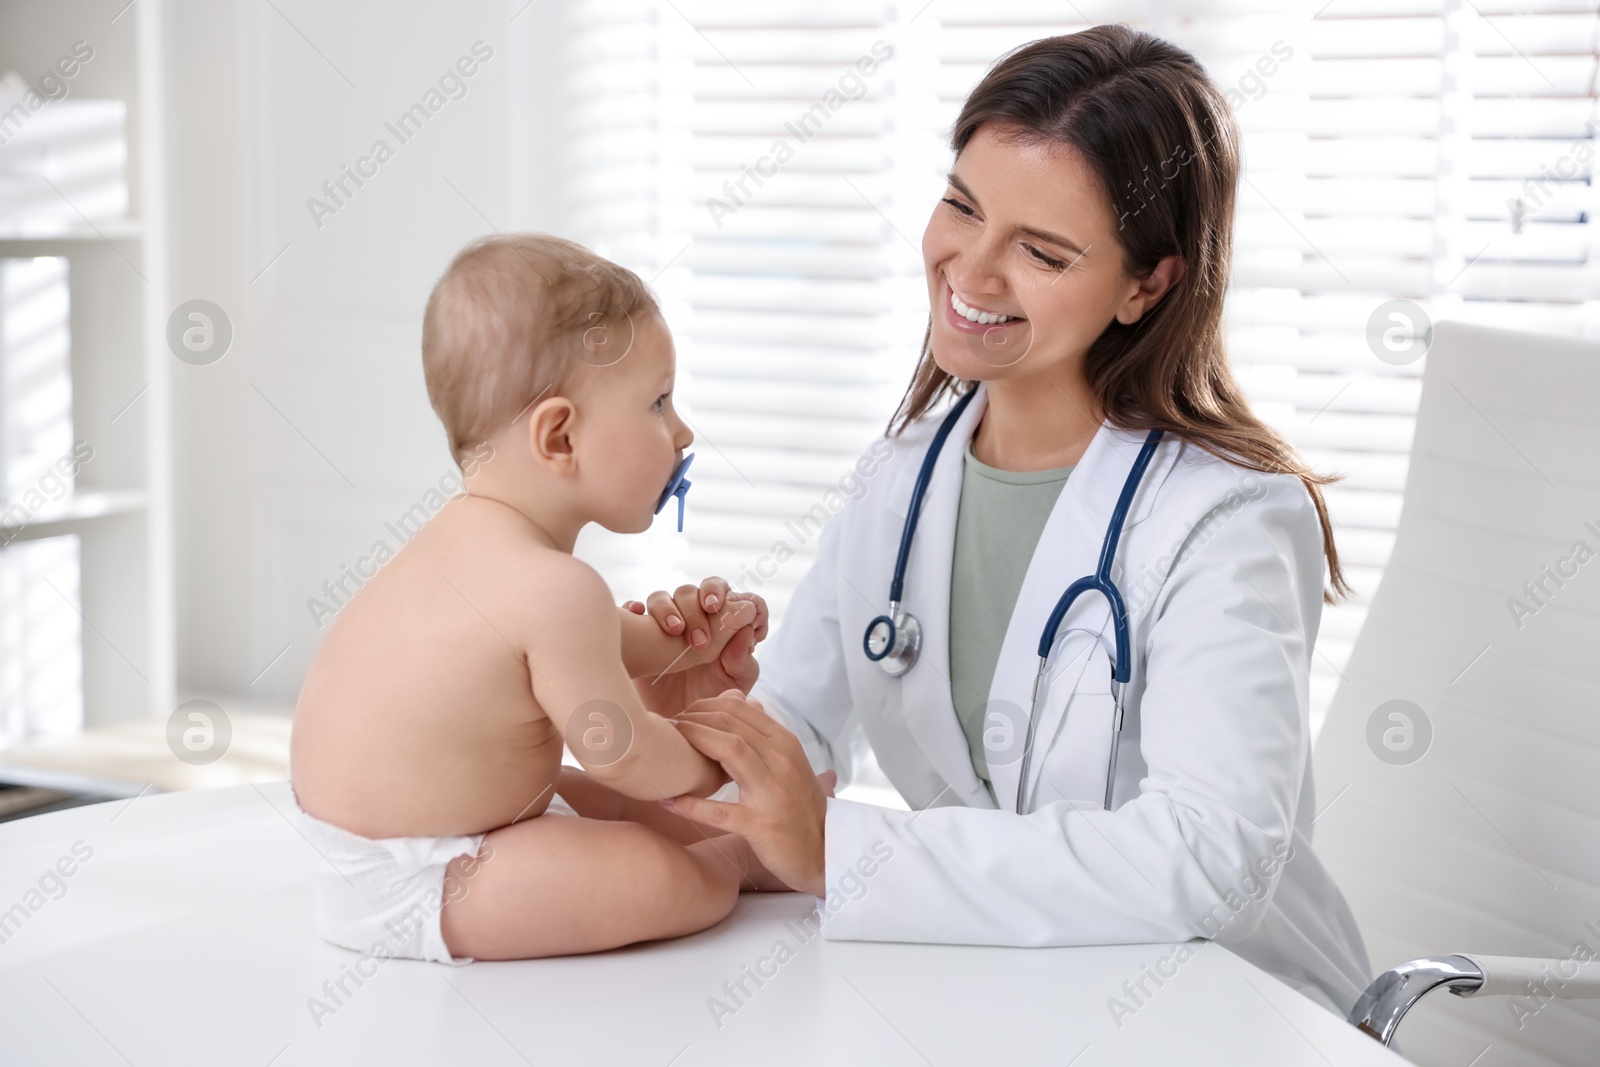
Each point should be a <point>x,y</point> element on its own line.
<point>385,896</point>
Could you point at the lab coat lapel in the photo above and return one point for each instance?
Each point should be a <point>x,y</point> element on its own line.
<point>925,689</point>
<point>1075,748</point>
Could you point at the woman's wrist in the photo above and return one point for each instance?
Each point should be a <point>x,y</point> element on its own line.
<point>818,884</point>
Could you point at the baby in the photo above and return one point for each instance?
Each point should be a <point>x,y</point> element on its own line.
<point>428,738</point>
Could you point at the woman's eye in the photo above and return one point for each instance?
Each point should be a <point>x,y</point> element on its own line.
<point>1053,264</point>
<point>959,206</point>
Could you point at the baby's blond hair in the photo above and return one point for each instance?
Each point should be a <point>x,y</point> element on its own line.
<point>505,323</point>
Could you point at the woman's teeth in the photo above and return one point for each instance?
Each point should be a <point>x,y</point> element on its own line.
<point>982,318</point>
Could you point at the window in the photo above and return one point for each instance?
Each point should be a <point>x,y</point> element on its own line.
<point>1435,152</point>
<point>41,664</point>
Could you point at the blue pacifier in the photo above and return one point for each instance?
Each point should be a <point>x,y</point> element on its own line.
<point>677,486</point>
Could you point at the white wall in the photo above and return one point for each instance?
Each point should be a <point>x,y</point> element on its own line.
<point>294,450</point>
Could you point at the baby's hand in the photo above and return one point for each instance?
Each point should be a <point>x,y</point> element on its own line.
<point>691,608</point>
<point>721,661</point>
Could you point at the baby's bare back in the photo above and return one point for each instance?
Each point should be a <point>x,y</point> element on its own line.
<point>417,717</point>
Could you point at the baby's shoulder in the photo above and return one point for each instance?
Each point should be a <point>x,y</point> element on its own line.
<point>536,587</point>
<point>567,579</point>
<point>555,589</point>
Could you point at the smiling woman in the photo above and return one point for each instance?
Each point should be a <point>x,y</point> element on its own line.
<point>1091,221</point>
<point>1075,268</point>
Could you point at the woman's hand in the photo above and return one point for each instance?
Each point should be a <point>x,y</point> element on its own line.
<point>782,809</point>
<point>703,614</point>
<point>734,668</point>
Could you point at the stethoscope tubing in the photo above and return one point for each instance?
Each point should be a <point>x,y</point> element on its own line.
<point>1100,581</point>
<point>920,489</point>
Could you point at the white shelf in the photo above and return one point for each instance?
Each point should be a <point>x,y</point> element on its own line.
<point>118,337</point>
<point>133,757</point>
<point>62,516</point>
<point>30,230</point>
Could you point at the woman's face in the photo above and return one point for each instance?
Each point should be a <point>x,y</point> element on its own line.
<point>1025,243</point>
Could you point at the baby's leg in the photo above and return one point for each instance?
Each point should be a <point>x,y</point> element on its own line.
<point>595,801</point>
<point>556,885</point>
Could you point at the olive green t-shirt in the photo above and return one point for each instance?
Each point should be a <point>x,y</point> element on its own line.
<point>998,523</point>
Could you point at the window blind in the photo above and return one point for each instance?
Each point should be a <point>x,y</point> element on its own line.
<point>1435,151</point>
<point>1380,164</point>
<point>765,218</point>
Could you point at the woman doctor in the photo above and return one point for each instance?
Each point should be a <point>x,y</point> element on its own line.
<point>1076,267</point>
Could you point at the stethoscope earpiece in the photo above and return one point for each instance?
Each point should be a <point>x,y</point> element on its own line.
<point>677,486</point>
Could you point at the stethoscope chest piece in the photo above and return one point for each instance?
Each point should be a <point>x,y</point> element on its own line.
<point>892,641</point>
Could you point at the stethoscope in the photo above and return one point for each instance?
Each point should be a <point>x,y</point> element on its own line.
<point>893,640</point>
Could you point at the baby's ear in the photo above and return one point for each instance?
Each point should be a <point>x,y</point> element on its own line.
<point>550,432</point>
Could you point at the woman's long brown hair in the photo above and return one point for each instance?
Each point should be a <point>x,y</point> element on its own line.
<point>1161,137</point>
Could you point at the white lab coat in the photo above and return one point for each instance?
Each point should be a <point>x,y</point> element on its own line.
<point>1222,573</point>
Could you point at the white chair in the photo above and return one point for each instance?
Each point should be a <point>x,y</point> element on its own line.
<point>1488,621</point>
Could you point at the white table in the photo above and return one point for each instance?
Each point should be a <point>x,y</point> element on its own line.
<point>185,938</point>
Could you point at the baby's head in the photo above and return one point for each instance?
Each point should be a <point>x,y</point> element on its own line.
<point>558,361</point>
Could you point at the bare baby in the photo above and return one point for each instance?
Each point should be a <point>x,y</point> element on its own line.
<point>427,745</point>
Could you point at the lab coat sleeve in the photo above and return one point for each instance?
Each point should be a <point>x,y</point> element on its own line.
<point>1197,853</point>
<point>803,683</point>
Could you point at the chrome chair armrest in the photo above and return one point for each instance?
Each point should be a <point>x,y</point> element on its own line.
<point>1385,1002</point>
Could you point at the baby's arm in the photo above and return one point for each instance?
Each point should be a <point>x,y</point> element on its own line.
<point>575,659</point>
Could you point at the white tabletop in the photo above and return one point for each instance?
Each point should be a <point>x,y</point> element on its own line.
<point>185,938</point>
